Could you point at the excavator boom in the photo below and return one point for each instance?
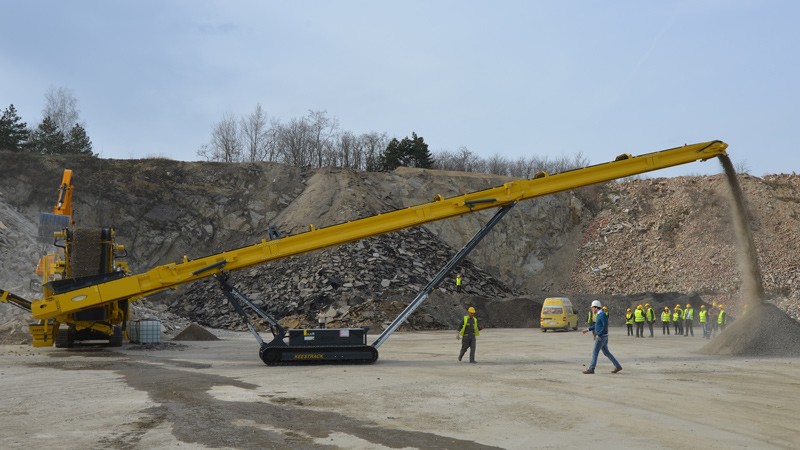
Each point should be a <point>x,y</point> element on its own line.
<point>59,301</point>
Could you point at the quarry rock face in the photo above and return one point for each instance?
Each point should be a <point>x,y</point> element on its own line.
<point>620,241</point>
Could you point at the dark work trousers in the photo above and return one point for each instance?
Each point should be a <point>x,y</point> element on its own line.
<point>639,329</point>
<point>650,325</point>
<point>689,327</point>
<point>467,342</point>
<point>665,328</point>
<point>630,329</point>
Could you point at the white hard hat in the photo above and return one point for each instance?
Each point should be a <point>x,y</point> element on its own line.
<point>597,304</point>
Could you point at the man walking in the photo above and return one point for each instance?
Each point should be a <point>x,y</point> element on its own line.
<point>600,328</point>
<point>468,332</point>
<point>458,282</point>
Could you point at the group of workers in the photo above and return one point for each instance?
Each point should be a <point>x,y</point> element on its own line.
<point>711,320</point>
<point>681,319</point>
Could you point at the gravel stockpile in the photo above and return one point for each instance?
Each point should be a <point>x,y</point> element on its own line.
<point>194,332</point>
<point>764,330</point>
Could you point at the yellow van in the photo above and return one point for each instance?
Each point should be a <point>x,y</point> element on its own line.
<point>557,314</point>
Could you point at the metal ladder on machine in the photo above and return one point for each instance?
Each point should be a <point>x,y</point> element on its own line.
<point>439,277</point>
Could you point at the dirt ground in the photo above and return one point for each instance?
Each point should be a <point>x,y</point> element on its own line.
<point>526,391</point>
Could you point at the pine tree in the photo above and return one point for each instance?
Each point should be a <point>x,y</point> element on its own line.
<point>422,157</point>
<point>47,138</point>
<point>408,152</point>
<point>14,132</point>
<point>78,142</point>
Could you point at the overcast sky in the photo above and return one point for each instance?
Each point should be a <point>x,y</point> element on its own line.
<point>515,78</point>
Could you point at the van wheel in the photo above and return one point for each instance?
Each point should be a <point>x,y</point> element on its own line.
<point>575,328</point>
<point>544,330</point>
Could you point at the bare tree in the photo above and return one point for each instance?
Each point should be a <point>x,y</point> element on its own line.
<point>470,161</point>
<point>498,165</point>
<point>294,142</point>
<point>323,129</point>
<point>255,137</point>
<point>374,145</point>
<point>349,151</point>
<point>742,167</point>
<point>62,108</point>
<point>444,160</point>
<point>225,145</point>
<point>521,168</point>
<point>462,160</point>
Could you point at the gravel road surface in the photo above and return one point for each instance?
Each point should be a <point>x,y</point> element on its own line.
<point>526,391</point>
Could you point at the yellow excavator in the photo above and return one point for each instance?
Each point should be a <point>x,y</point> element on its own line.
<point>98,301</point>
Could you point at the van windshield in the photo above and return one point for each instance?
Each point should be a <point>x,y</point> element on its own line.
<point>551,310</point>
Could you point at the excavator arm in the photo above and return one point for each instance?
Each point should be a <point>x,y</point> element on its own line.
<point>61,217</point>
<point>60,301</point>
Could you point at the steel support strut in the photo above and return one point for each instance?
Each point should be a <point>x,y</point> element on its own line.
<point>423,295</point>
<point>238,299</point>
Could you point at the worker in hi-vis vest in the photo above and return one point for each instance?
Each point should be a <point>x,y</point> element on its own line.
<point>638,318</point>
<point>688,320</point>
<point>629,321</point>
<point>722,318</point>
<point>649,317</point>
<point>468,332</point>
<point>665,321</point>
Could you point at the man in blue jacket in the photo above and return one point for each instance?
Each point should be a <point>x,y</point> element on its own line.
<point>600,328</point>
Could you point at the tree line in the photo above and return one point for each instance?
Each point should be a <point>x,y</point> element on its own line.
<point>316,140</point>
<point>59,131</point>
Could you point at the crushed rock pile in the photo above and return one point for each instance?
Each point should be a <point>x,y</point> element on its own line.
<point>676,234</point>
<point>195,332</point>
<point>376,271</point>
<point>764,330</point>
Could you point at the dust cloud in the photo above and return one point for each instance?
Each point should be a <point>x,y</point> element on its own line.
<point>763,329</point>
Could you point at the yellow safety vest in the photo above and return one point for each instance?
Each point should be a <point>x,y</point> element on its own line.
<point>665,317</point>
<point>721,319</point>
<point>628,318</point>
<point>638,315</point>
<point>688,314</point>
<point>474,324</point>
<point>703,316</point>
